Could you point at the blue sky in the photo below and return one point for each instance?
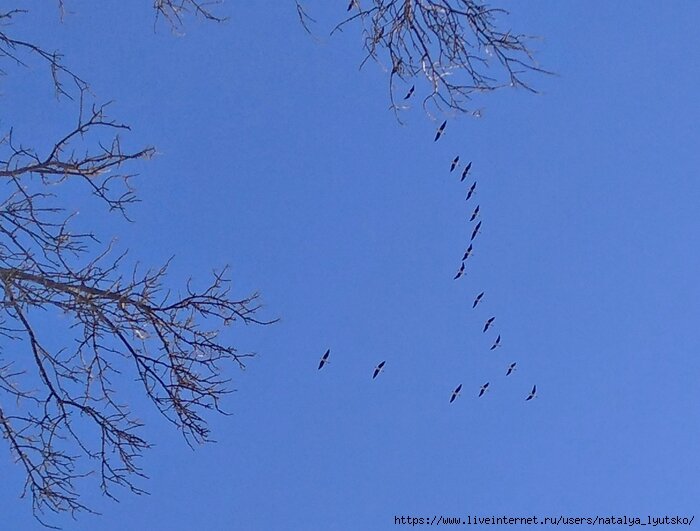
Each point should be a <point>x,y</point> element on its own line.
<point>278,157</point>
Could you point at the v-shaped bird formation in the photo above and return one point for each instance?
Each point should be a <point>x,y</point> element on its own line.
<point>490,322</point>
<point>476,230</point>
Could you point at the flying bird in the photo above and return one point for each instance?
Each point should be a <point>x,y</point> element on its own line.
<point>476,231</point>
<point>455,162</point>
<point>511,368</point>
<point>478,299</point>
<point>475,213</point>
<point>532,394</point>
<point>468,252</point>
<point>460,272</point>
<point>455,393</point>
<point>471,191</point>
<point>410,92</point>
<point>466,171</point>
<point>496,343</point>
<point>483,389</point>
<point>324,359</point>
<point>489,323</point>
<point>440,130</point>
<point>379,368</point>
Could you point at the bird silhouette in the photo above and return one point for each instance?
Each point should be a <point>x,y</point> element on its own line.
<point>533,393</point>
<point>466,171</point>
<point>460,272</point>
<point>455,393</point>
<point>475,213</point>
<point>478,299</point>
<point>455,162</point>
<point>511,368</point>
<point>440,130</point>
<point>476,231</point>
<point>496,343</point>
<point>324,359</point>
<point>379,368</point>
<point>410,92</point>
<point>471,191</point>
<point>483,389</point>
<point>488,324</point>
<point>468,252</point>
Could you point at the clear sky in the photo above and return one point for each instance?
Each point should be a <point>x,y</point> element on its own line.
<point>279,157</point>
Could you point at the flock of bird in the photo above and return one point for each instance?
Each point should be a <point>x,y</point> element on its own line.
<point>460,272</point>
<point>462,268</point>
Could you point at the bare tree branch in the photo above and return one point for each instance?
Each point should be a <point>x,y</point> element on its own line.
<point>63,391</point>
<point>173,11</point>
<point>455,46</point>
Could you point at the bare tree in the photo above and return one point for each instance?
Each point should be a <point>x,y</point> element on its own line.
<point>455,46</point>
<point>62,408</point>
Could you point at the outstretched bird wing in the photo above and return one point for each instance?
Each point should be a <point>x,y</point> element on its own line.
<point>455,393</point>
<point>475,231</point>
<point>440,130</point>
<point>324,358</point>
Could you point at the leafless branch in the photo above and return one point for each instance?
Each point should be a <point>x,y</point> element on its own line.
<point>455,46</point>
<point>79,325</point>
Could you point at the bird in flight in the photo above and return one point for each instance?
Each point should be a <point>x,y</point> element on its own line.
<point>475,213</point>
<point>489,323</point>
<point>496,343</point>
<point>478,299</point>
<point>483,389</point>
<point>460,272</point>
<point>410,92</point>
<point>379,368</point>
<point>454,164</point>
<point>466,171</point>
<point>511,368</point>
<point>476,231</point>
<point>324,359</point>
<point>440,130</point>
<point>468,252</point>
<point>455,393</point>
<point>471,191</point>
<point>533,393</point>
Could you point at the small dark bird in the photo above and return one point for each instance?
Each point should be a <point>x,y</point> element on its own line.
<point>478,299</point>
<point>351,5</point>
<point>324,359</point>
<point>455,162</point>
<point>455,393</point>
<point>379,368</point>
<point>511,368</point>
<point>468,252</point>
<point>475,213</point>
<point>440,130</point>
<point>483,389</point>
<point>532,394</point>
<point>410,92</point>
<point>489,323</point>
<point>471,191</point>
<point>460,272</point>
<point>476,231</point>
<point>466,171</point>
<point>496,343</point>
